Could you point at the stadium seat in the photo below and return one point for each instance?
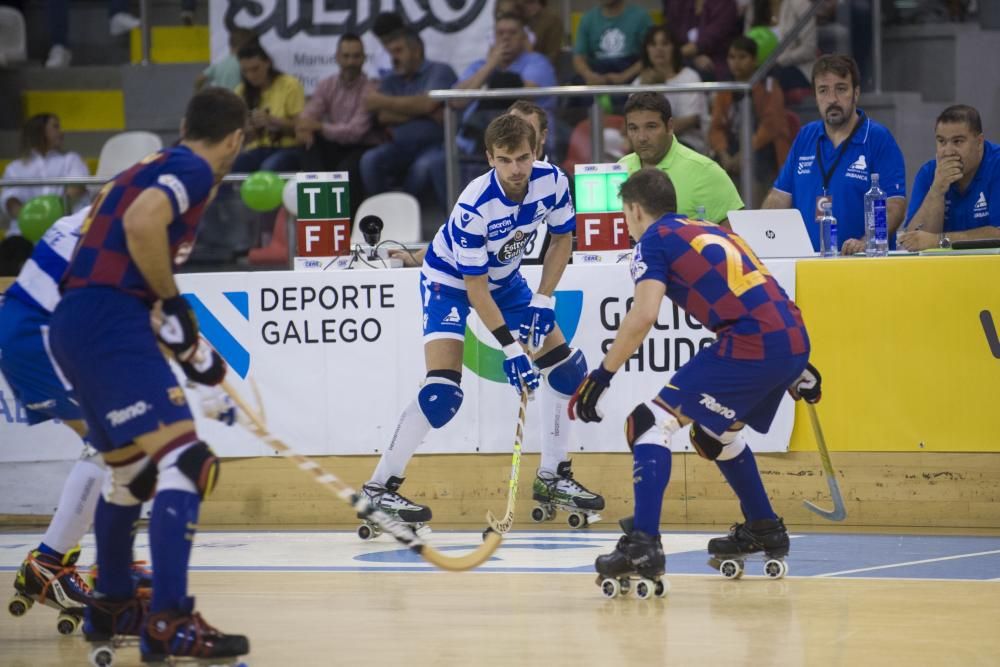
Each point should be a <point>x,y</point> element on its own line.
<point>13,36</point>
<point>125,149</point>
<point>579,151</point>
<point>276,252</point>
<point>400,213</point>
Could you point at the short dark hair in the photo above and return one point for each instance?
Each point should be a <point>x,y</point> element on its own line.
<point>509,16</point>
<point>649,102</point>
<point>14,252</point>
<point>240,36</point>
<point>33,136</point>
<point>213,114</point>
<point>744,44</point>
<point>676,60</point>
<point>839,64</point>
<point>528,108</point>
<point>651,189</point>
<point>411,36</point>
<point>961,113</point>
<point>349,37</point>
<point>387,22</point>
<point>508,131</point>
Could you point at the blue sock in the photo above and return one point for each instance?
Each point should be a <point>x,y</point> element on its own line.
<point>743,476</point>
<point>114,528</point>
<point>650,475</point>
<point>49,551</point>
<point>171,532</point>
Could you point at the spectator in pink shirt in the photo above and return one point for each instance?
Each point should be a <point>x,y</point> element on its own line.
<point>335,127</point>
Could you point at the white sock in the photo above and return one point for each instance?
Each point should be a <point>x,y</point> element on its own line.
<point>556,428</point>
<point>75,511</point>
<point>411,430</point>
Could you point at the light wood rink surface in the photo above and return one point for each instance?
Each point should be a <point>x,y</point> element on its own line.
<point>406,619</point>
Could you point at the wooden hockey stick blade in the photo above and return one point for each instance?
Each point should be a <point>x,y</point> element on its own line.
<point>839,511</point>
<point>399,530</point>
<point>504,526</point>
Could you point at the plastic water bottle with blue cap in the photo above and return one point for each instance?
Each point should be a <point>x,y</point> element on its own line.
<point>876,228</point>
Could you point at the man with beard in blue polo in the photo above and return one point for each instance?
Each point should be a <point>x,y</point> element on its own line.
<point>834,159</point>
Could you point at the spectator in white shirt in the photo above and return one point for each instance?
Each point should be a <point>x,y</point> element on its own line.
<point>42,156</point>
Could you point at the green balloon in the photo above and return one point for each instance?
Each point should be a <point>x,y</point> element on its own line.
<point>262,191</point>
<point>38,215</point>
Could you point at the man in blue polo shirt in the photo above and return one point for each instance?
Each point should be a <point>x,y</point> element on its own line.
<point>956,196</point>
<point>834,159</point>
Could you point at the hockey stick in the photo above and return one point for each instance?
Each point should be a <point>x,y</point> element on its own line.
<point>839,512</point>
<point>402,532</point>
<point>515,471</point>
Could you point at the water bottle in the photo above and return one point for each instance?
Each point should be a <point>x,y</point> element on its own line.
<point>876,230</point>
<point>699,213</point>
<point>828,245</point>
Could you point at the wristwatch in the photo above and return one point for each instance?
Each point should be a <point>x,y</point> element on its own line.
<point>944,241</point>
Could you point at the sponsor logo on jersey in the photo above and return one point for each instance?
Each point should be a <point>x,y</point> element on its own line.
<point>174,185</point>
<point>805,164</point>
<point>637,267</point>
<point>129,412</point>
<point>44,405</point>
<point>982,208</point>
<point>513,248</point>
<point>499,228</point>
<point>452,318</point>
<point>713,405</point>
<point>858,169</point>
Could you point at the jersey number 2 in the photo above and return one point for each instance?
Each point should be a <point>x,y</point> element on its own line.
<point>739,281</point>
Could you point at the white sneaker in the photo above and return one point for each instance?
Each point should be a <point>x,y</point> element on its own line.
<point>59,56</point>
<point>123,22</point>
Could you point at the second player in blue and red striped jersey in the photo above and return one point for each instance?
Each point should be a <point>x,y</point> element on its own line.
<point>712,274</point>
<point>102,257</point>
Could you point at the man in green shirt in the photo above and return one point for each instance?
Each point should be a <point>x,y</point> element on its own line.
<point>699,180</point>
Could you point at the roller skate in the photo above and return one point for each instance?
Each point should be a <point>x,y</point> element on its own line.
<point>112,624</point>
<point>562,492</point>
<point>388,499</point>
<point>182,634</point>
<point>54,583</point>
<point>764,536</point>
<point>142,576</point>
<point>638,558</point>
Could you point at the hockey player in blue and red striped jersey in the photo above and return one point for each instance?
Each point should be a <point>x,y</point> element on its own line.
<point>761,351</point>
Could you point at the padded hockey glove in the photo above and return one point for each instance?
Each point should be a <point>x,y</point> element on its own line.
<point>519,369</point>
<point>179,328</point>
<point>205,366</point>
<point>583,404</point>
<point>539,322</point>
<point>808,386</point>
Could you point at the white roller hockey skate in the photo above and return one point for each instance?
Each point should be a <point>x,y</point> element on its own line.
<point>562,492</point>
<point>766,538</point>
<point>388,499</point>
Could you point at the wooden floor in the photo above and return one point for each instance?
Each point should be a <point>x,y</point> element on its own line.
<point>410,619</point>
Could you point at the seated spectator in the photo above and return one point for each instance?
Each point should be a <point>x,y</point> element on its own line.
<point>832,160</point>
<point>609,43</point>
<point>770,142</point>
<point>413,119</point>
<point>384,25</point>
<point>547,27</point>
<point>759,21</point>
<point>700,182</point>
<point>57,11</point>
<point>275,100</point>
<point>335,127</point>
<point>42,156</point>
<point>795,63</point>
<point>226,72</point>
<point>704,29</point>
<point>662,63</point>
<point>956,196</point>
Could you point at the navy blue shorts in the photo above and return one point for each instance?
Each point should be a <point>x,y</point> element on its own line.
<point>28,367</point>
<point>716,392</point>
<point>447,308</point>
<point>105,346</point>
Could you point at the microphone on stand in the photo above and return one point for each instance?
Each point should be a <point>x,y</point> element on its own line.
<point>371,227</point>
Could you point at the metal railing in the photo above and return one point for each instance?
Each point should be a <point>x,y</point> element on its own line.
<point>596,118</point>
<point>99,180</point>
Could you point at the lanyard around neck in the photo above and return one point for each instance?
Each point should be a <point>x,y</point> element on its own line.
<point>827,175</point>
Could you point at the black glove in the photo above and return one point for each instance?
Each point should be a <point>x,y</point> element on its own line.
<point>808,386</point>
<point>583,404</point>
<point>179,329</point>
<point>205,366</point>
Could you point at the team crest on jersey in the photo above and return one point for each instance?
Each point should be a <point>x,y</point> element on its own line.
<point>176,396</point>
<point>637,267</point>
<point>513,248</point>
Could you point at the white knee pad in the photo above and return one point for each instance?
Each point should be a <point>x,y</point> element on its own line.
<point>733,443</point>
<point>116,487</point>
<point>649,424</point>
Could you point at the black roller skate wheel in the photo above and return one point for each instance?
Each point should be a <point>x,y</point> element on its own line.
<point>776,569</point>
<point>576,520</point>
<point>610,588</point>
<point>538,514</point>
<point>67,624</point>
<point>102,656</point>
<point>365,532</point>
<point>731,569</point>
<point>17,607</point>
